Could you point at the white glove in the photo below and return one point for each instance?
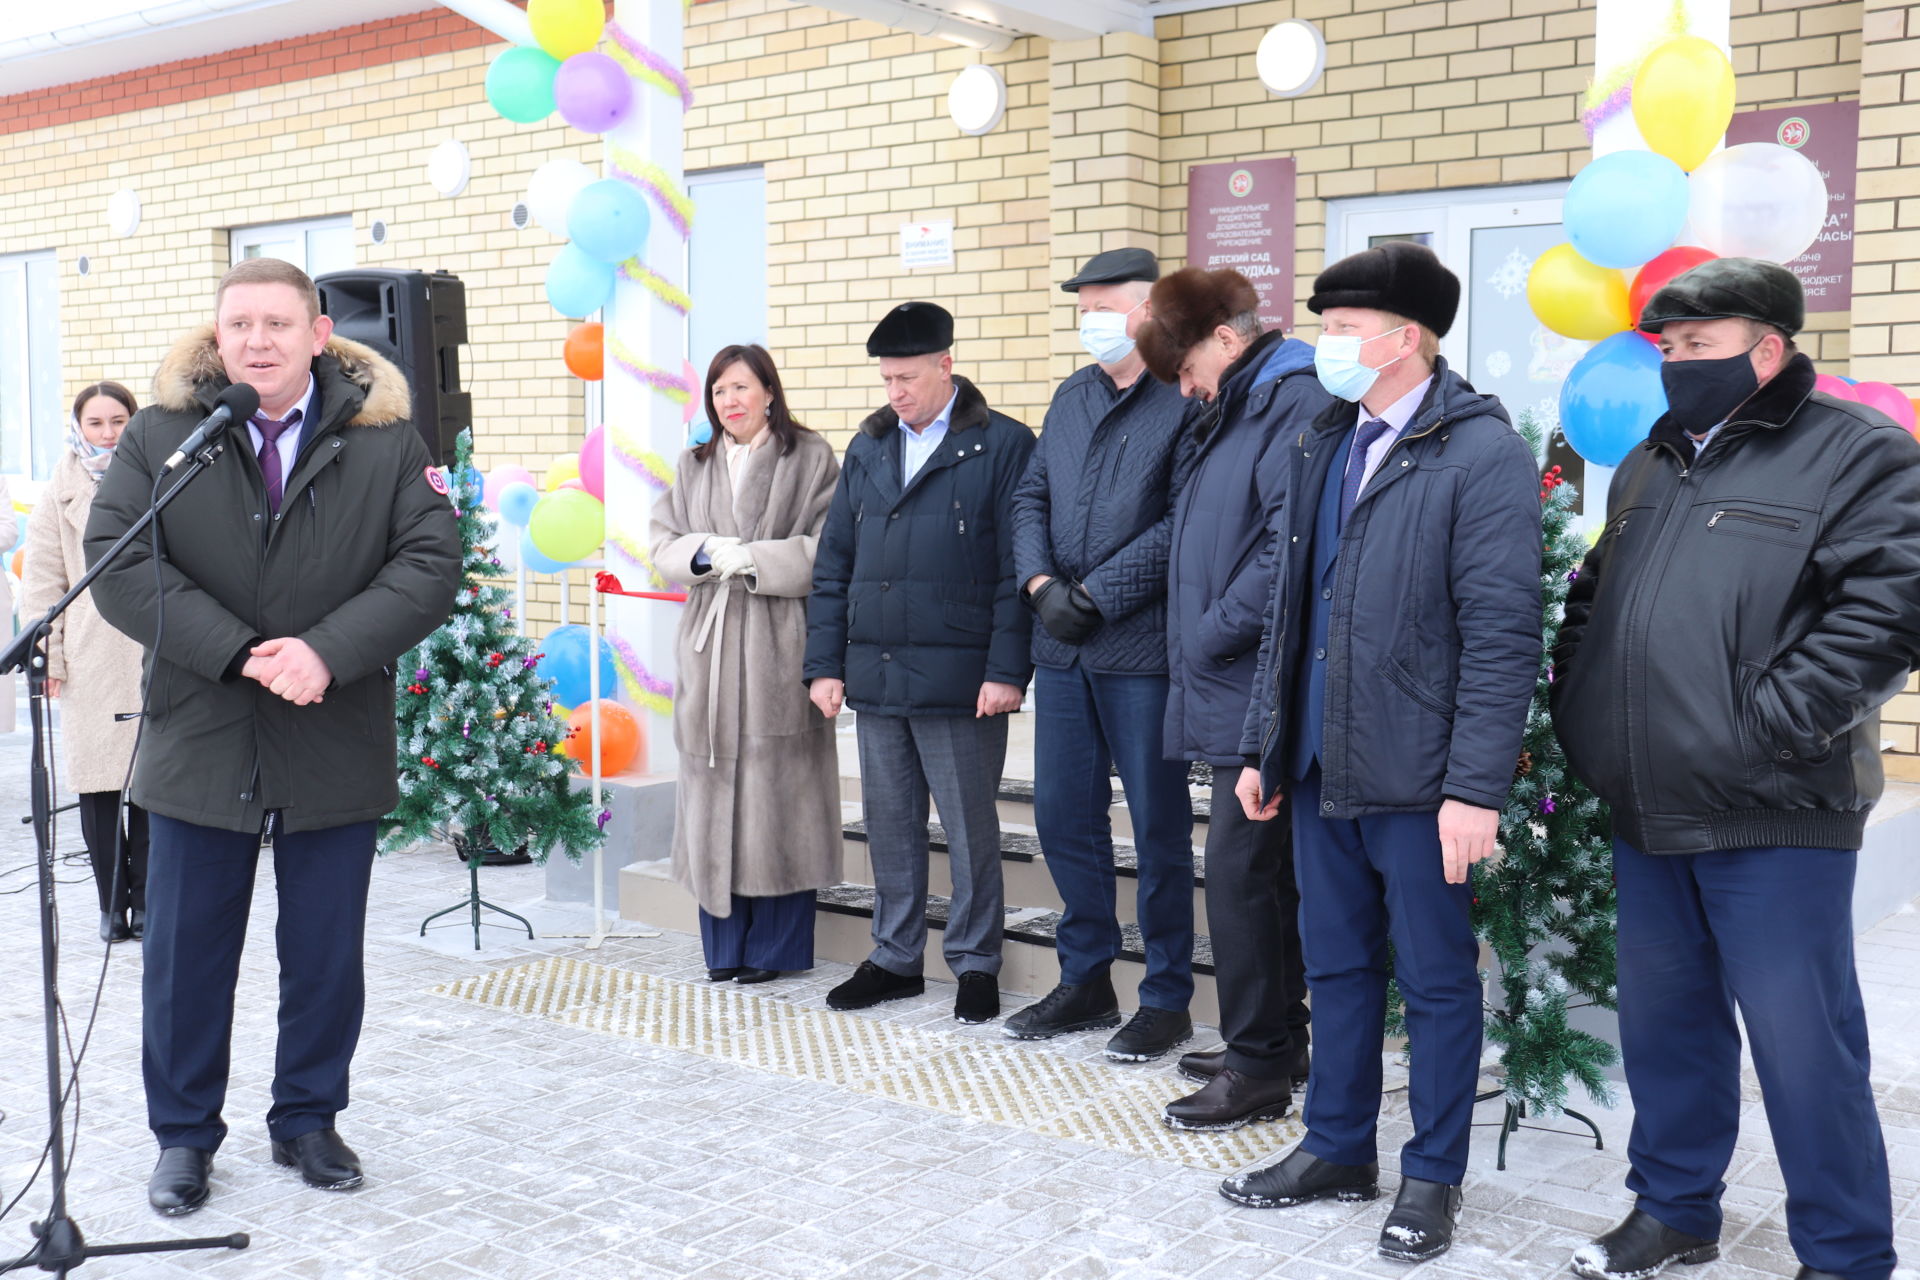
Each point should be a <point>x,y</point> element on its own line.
<point>716,543</point>
<point>732,560</point>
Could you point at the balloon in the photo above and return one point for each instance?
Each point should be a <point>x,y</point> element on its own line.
<point>609,220</point>
<point>564,661</point>
<point>569,524</point>
<point>585,352</point>
<point>551,190</point>
<point>1758,200</point>
<point>593,463</point>
<point>1683,99</point>
<point>1625,207</point>
<point>520,84</point>
<point>1574,298</point>
<point>563,468</point>
<point>566,27</point>
<point>578,284</point>
<point>537,560</point>
<point>701,433</point>
<point>1611,399</point>
<point>570,484</point>
<point>1662,269</point>
<point>19,562</point>
<point>619,736</point>
<point>696,401</point>
<point>1888,399</point>
<point>1833,386</point>
<point>593,92</point>
<point>499,479</point>
<point>517,499</point>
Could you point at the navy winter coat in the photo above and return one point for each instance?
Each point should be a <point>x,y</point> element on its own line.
<point>914,602</point>
<point>1096,508</point>
<point>1219,580</point>
<point>1434,649</point>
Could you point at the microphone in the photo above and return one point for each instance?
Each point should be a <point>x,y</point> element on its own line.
<point>236,404</point>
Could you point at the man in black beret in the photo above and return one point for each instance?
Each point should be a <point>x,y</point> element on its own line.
<point>1728,643</point>
<point>1091,524</point>
<point>915,622</point>
<point>1399,662</point>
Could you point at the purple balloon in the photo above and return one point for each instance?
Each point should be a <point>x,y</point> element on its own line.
<point>593,92</point>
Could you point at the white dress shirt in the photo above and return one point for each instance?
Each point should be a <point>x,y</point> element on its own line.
<point>1397,416</point>
<point>289,442</point>
<point>919,445</point>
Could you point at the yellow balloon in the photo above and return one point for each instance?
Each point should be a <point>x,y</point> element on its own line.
<point>1683,99</point>
<point>566,27</point>
<point>563,468</point>
<point>1575,298</point>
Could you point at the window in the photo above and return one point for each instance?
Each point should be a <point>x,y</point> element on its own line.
<point>316,246</point>
<point>32,415</point>
<point>727,262</point>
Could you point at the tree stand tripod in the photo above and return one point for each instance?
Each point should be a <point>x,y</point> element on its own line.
<point>474,850</point>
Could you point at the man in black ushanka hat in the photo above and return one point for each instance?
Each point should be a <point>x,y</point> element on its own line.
<point>916,622</point>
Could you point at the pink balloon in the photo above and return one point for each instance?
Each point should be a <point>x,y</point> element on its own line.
<point>500,478</point>
<point>1888,399</point>
<point>570,484</point>
<point>1834,387</point>
<point>694,401</point>
<point>593,463</point>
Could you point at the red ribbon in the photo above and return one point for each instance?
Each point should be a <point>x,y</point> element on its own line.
<point>608,585</point>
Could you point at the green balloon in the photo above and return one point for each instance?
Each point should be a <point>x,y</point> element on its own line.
<point>520,84</point>
<point>568,525</point>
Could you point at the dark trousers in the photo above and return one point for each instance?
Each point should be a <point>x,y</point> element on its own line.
<point>1087,724</point>
<point>1365,882</point>
<point>761,933</point>
<point>122,887</point>
<point>1769,931</point>
<point>1253,917</point>
<point>199,891</point>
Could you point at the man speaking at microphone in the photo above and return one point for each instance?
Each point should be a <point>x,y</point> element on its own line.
<point>314,552</point>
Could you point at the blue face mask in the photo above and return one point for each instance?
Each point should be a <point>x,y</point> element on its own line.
<point>1104,334</point>
<point>1336,360</point>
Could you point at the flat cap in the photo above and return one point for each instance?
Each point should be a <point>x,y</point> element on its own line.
<point>1730,288</point>
<point>1400,277</point>
<point>912,329</point>
<point>1115,266</point>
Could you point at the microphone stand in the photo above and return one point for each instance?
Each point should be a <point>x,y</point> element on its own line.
<point>60,1246</point>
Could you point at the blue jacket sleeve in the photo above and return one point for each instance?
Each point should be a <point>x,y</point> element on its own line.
<point>1032,518</point>
<point>826,657</point>
<point>1136,575</point>
<point>1234,623</point>
<point>1009,650</point>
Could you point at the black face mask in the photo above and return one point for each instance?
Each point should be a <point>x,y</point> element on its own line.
<point>1701,394</point>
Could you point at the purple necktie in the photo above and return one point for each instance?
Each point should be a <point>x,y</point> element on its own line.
<point>1370,431</point>
<point>270,432</point>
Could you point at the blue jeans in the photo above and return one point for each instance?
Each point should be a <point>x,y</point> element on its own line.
<point>761,933</point>
<point>1086,723</point>
<point>1769,931</point>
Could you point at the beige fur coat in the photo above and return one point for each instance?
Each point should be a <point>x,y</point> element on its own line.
<point>758,805</point>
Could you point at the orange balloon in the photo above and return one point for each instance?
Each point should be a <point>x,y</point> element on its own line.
<point>19,562</point>
<point>619,736</point>
<point>585,352</point>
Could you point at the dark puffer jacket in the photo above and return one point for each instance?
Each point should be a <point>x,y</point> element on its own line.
<point>914,602</point>
<point>1220,580</point>
<point>1732,635</point>
<point>362,563</point>
<point>1096,508</point>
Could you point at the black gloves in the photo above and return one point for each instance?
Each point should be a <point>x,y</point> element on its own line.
<point>1066,611</point>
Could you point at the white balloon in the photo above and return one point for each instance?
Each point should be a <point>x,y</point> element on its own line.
<point>1757,200</point>
<point>551,190</point>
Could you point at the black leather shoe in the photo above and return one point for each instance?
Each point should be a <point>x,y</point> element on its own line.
<point>1299,1178</point>
<point>1149,1034</point>
<point>978,999</point>
<point>113,926</point>
<point>1640,1247</point>
<point>179,1182</point>
<point>1203,1065</point>
<point>1808,1273</point>
<point>137,925</point>
<point>747,977</point>
<point>871,985</point>
<point>1421,1224</point>
<point>1069,1007</point>
<point>1230,1101</point>
<point>722,975</point>
<point>323,1160</point>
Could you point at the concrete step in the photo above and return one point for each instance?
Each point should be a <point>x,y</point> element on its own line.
<point>1015,803</point>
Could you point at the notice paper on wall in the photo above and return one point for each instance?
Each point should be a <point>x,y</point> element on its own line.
<point>926,244</point>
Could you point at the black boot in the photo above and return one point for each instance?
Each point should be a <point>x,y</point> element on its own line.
<point>113,926</point>
<point>1808,1273</point>
<point>1203,1065</point>
<point>179,1182</point>
<point>323,1159</point>
<point>1066,1008</point>
<point>1638,1248</point>
<point>137,924</point>
<point>1421,1224</point>
<point>1299,1178</point>
<point>1230,1101</point>
<point>871,985</point>
<point>1149,1034</point>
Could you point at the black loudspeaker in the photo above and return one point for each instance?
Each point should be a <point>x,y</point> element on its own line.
<point>418,320</point>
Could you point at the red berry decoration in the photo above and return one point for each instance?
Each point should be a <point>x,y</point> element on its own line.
<point>430,762</point>
<point>495,659</point>
<point>416,687</point>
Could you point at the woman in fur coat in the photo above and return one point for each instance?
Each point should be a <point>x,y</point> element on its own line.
<point>757,822</point>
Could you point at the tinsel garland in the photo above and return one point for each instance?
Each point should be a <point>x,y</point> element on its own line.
<point>645,65</point>
<point>653,181</point>
<point>671,385</point>
<point>651,692</point>
<point>656,284</point>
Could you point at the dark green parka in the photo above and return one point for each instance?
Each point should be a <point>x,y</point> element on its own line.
<point>362,563</point>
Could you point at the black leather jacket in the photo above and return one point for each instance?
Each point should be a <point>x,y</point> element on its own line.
<point>1733,633</point>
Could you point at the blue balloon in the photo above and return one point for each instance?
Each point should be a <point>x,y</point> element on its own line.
<point>517,502</point>
<point>1626,208</point>
<point>609,220</point>
<point>578,284</point>
<point>539,561</point>
<point>701,433</point>
<point>565,664</point>
<point>1612,398</point>
<point>17,527</point>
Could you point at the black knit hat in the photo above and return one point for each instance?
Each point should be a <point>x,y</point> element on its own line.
<point>1723,288</point>
<point>912,329</point>
<point>1399,276</point>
